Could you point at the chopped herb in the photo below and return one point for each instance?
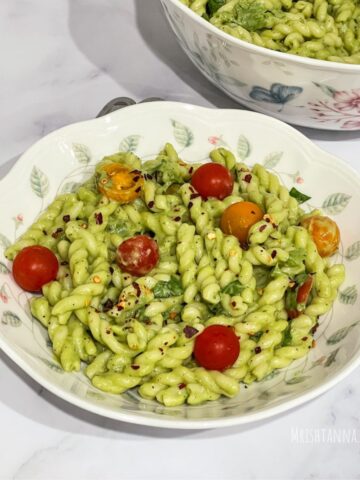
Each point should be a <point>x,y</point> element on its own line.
<point>300,197</point>
<point>172,288</point>
<point>213,6</point>
<point>287,338</point>
<point>234,288</point>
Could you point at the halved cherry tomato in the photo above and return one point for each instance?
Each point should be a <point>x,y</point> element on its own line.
<point>118,182</point>
<point>213,180</point>
<point>239,217</point>
<point>34,266</point>
<point>217,347</point>
<point>304,290</point>
<point>325,233</point>
<point>138,255</point>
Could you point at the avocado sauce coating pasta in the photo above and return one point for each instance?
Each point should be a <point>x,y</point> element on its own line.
<point>140,331</point>
<point>322,29</point>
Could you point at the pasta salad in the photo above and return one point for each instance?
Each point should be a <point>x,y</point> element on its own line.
<point>322,29</point>
<point>182,280</point>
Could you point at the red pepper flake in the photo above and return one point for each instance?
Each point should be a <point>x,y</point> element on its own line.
<point>177,219</point>
<point>194,195</point>
<point>190,204</point>
<point>44,232</point>
<point>151,204</point>
<point>248,178</point>
<point>135,367</point>
<point>244,245</point>
<point>136,171</point>
<point>267,220</point>
<point>57,233</point>
<point>181,386</point>
<point>119,308</point>
<point>233,304</point>
<point>148,176</point>
<point>66,218</point>
<point>257,350</point>
<point>137,289</point>
<point>273,254</point>
<point>108,305</point>
<point>262,228</point>
<point>266,331</point>
<point>111,270</point>
<point>108,331</point>
<point>161,350</point>
<point>314,328</point>
<point>189,331</point>
<point>304,339</point>
<point>64,263</point>
<point>191,169</point>
<point>98,218</point>
<point>137,190</point>
<point>137,178</point>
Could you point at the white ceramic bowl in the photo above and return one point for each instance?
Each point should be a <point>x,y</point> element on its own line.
<point>60,160</point>
<point>298,90</point>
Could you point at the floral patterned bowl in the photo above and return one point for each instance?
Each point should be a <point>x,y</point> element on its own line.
<point>303,91</point>
<point>62,159</point>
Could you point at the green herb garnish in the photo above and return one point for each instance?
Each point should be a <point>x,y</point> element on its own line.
<point>234,288</point>
<point>172,288</point>
<point>213,6</point>
<point>300,197</point>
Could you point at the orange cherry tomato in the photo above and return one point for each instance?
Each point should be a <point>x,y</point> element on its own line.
<point>325,233</point>
<point>239,217</point>
<point>119,183</point>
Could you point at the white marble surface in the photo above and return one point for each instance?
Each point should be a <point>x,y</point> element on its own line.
<point>61,61</point>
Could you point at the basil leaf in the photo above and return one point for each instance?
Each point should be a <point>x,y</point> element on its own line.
<point>234,288</point>
<point>286,340</point>
<point>172,288</point>
<point>300,197</point>
<point>291,299</point>
<point>216,310</point>
<point>295,264</point>
<point>262,276</point>
<point>213,6</point>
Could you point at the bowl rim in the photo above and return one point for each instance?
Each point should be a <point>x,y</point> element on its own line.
<point>296,59</point>
<point>162,421</point>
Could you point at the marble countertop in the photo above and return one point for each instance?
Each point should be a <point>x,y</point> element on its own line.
<point>61,62</point>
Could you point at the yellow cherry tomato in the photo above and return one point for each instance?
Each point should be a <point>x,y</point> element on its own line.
<point>118,182</point>
<point>325,233</point>
<point>239,217</point>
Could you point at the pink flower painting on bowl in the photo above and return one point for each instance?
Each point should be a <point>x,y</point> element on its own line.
<point>343,108</point>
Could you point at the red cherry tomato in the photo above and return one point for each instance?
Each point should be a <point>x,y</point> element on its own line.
<point>138,255</point>
<point>217,347</point>
<point>213,180</point>
<point>304,290</point>
<point>34,266</point>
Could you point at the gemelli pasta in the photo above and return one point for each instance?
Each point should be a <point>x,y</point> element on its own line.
<point>322,29</point>
<point>149,261</point>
